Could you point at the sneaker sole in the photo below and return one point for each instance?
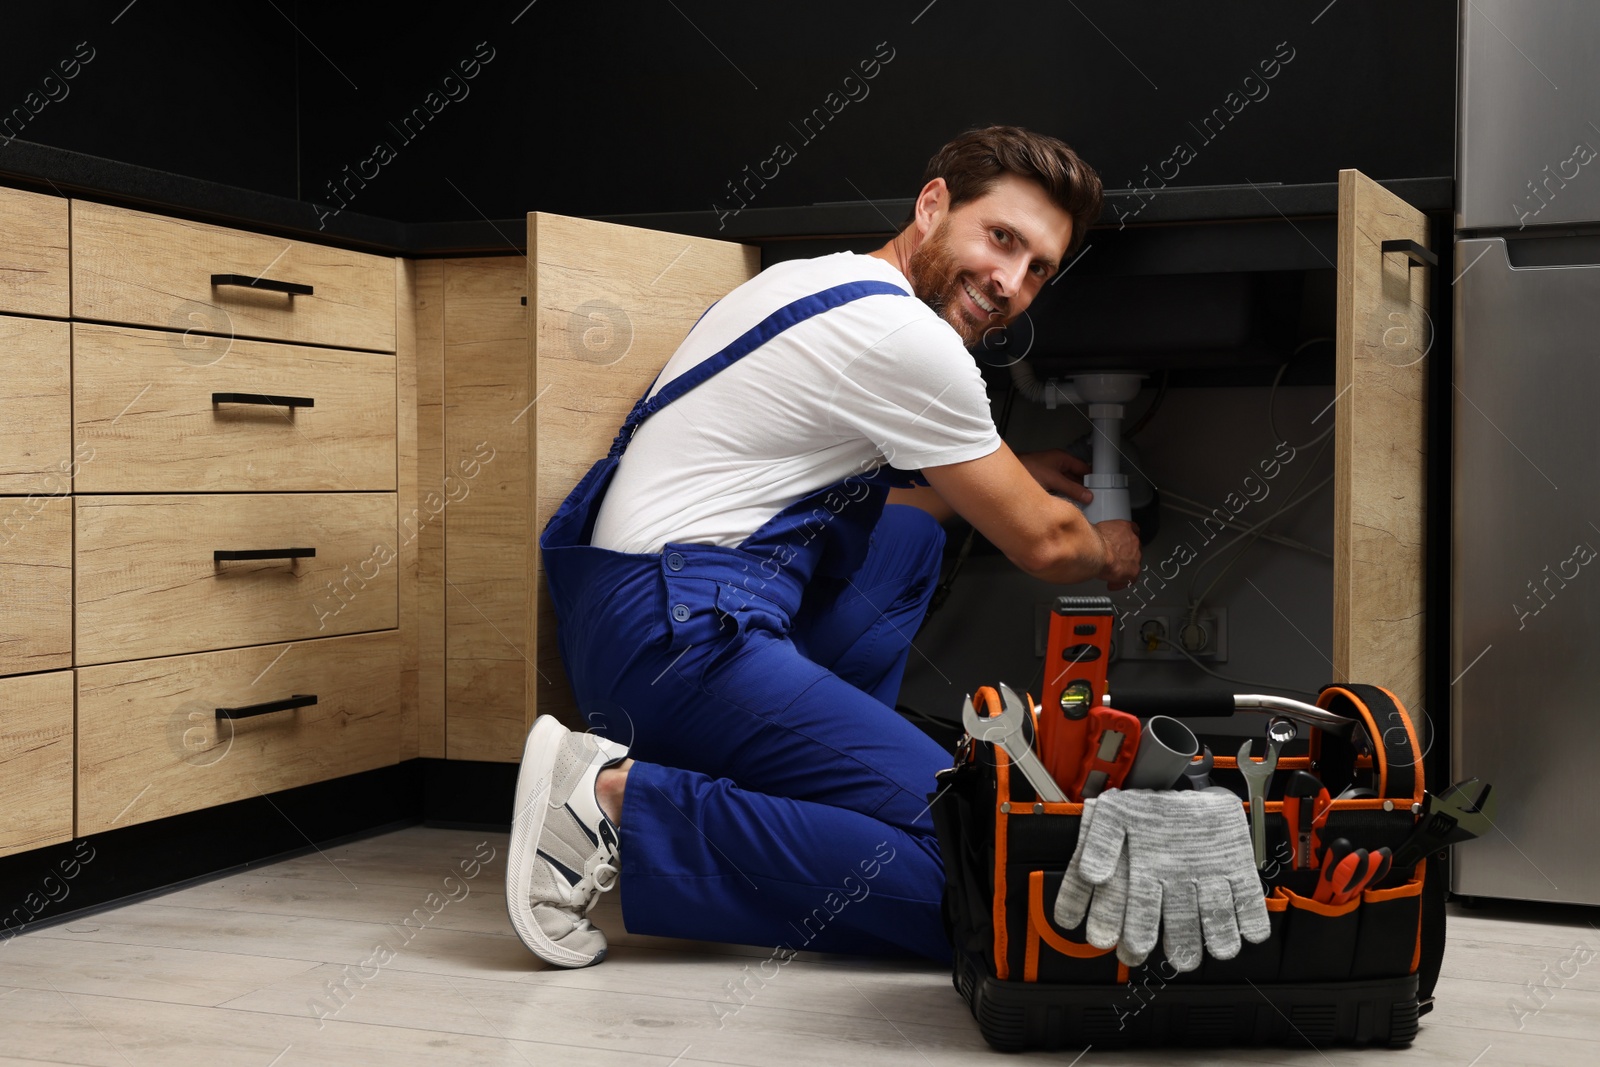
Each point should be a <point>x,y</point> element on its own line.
<point>527,823</point>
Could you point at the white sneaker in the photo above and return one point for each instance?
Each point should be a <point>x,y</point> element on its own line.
<point>563,851</point>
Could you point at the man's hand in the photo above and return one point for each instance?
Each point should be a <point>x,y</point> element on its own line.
<point>1059,472</point>
<point>1121,540</point>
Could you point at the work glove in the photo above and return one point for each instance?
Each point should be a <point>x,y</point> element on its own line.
<point>1191,870</point>
<point>1104,904</point>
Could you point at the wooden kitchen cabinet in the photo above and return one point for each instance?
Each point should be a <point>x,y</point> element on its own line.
<point>522,395</point>
<point>151,583</point>
<point>152,741</point>
<point>35,406</point>
<point>484,483</point>
<point>1383,335</point>
<point>242,453</point>
<point>158,420</point>
<point>35,583</point>
<point>33,254</point>
<point>471,529</point>
<point>36,472</point>
<point>610,304</point>
<point>172,274</point>
<point>35,760</point>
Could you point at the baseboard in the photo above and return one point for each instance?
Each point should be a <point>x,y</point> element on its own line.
<point>56,883</point>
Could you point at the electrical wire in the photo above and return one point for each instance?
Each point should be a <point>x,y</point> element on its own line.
<point>1272,422</point>
<point>1227,678</point>
<point>1193,507</point>
<point>1194,607</point>
<point>1255,532</point>
<point>1155,405</point>
<point>1254,535</point>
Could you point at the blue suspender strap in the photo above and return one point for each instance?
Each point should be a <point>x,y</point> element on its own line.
<point>758,335</point>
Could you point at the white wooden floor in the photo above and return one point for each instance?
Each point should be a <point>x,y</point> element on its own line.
<point>238,971</point>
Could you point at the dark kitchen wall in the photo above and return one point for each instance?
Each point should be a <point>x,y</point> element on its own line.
<point>658,105</point>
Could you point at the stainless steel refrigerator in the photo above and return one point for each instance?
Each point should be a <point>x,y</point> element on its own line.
<point>1526,481</point>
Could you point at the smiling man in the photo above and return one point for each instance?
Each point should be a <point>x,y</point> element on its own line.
<point>737,582</point>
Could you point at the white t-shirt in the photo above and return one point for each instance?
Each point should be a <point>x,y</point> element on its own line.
<point>880,379</point>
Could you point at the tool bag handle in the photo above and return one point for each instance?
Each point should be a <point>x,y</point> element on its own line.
<point>1396,753</point>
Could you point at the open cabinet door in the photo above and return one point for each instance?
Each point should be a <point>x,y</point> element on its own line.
<point>609,305</point>
<point>1380,431</point>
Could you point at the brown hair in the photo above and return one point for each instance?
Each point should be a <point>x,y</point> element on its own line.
<point>974,161</point>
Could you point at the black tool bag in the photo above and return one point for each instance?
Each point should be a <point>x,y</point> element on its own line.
<point>1361,972</point>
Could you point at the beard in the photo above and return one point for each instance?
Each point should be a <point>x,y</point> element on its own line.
<point>937,280</point>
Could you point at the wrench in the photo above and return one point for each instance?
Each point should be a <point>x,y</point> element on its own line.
<point>1010,730</point>
<point>1461,813</point>
<point>1280,731</point>
<point>1256,777</point>
<point>1199,771</point>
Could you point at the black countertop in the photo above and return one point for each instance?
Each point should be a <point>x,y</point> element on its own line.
<point>46,169</point>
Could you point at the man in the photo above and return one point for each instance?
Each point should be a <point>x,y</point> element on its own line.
<point>735,599</point>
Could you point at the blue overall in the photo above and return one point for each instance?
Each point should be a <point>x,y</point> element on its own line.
<point>778,799</point>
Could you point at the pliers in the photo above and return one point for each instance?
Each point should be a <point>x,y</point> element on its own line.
<point>1347,870</point>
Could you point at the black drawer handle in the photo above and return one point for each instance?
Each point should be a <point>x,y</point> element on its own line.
<point>292,288</point>
<point>264,398</point>
<point>262,553</point>
<point>1419,256</point>
<point>296,701</point>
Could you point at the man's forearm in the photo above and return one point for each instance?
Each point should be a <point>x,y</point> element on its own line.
<point>1072,551</point>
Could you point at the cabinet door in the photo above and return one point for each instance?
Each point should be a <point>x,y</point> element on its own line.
<point>33,254</point>
<point>1380,432</point>
<point>610,304</point>
<point>482,494</point>
<point>35,407</point>
<point>160,737</point>
<point>35,760</point>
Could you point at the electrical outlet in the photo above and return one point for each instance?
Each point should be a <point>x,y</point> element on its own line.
<point>1150,635</point>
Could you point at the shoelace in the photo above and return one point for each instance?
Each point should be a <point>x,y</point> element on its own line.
<point>591,885</point>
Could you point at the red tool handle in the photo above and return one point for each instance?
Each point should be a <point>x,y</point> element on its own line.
<point>1376,866</point>
<point>1341,863</point>
<point>1115,768</point>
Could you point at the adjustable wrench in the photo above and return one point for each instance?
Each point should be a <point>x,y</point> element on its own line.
<point>1256,777</point>
<point>1011,729</point>
<point>1463,812</point>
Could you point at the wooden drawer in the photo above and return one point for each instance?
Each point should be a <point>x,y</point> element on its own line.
<point>148,583</point>
<point>150,742</point>
<point>149,270</point>
<point>33,254</point>
<point>148,413</point>
<point>35,584</point>
<point>35,406</point>
<point>36,761</point>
